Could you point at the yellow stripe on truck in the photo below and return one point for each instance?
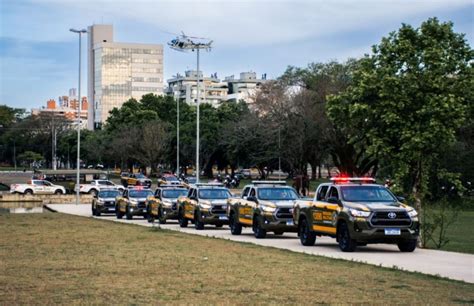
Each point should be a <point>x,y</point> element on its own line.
<point>326,229</point>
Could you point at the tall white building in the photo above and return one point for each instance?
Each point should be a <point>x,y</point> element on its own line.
<point>118,72</point>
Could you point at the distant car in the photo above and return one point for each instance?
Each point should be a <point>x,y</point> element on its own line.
<point>37,187</point>
<point>168,179</point>
<point>135,179</point>
<point>96,185</point>
<point>104,201</point>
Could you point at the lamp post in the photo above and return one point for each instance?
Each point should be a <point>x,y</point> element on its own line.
<point>78,166</point>
<point>185,43</point>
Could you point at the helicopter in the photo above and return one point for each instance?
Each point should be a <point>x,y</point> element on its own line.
<point>183,42</point>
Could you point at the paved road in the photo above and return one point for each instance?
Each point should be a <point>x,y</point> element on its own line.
<point>446,264</point>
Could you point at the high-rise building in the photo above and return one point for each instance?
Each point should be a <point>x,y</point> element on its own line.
<point>118,72</point>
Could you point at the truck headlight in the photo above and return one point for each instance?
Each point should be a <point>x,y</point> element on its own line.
<point>412,213</point>
<point>359,213</point>
<point>205,206</point>
<point>266,208</point>
<point>167,203</point>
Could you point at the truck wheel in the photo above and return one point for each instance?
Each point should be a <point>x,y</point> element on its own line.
<point>258,231</point>
<point>407,245</point>
<point>58,191</point>
<point>307,237</point>
<point>161,216</point>
<point>128,214</point>
<point>234,225</point>
<point>346,243</point>
<point>118,213</point>
<point>198,224</point>
<point>28,191</point>
<point>93,192</point>
<point>183,222</point>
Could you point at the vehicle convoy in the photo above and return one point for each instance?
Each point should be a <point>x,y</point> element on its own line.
<point>164,204</point>
<point>204,204</point>
<point>132,203</point>
<point>134,179</point>
<point>266,206</point>
<point>356,212</point>
<point>37,187</point>
<point>96,185</point>
<point>104,201</point>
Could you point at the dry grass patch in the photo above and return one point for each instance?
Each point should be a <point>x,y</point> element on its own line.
<point>54,258</point>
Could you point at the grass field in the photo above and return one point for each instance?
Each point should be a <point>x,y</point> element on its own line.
<point>461,234</point>
<point>54,258</point>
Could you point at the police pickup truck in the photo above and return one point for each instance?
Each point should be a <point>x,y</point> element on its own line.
<point>204,204</point>
<point>356,212</point>
<point>266,206</point>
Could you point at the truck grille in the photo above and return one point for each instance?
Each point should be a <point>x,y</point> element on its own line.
<point>381,218</point>
<point>218,210</point>
<point>284,213</point>
<point>141,205</point>
<point>109,204</point>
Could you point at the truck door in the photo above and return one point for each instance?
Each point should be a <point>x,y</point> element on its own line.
<point>189,203</point>
<point>245,211</point>
<point>325,213</point>
<point>39,187</point>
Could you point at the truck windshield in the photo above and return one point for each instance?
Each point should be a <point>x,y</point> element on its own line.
<point>174,194</point>
<point>140,193</point>
<point>108,194</point>
<point>277,194</point>
<point>366,194</point>
<point>214,194</point>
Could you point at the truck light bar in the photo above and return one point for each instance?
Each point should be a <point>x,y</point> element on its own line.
<point>269,182</point>
<point>341,180</point>
<point>210,184</point>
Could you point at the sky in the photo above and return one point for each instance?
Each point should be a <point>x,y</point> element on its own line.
<point>39,55</point>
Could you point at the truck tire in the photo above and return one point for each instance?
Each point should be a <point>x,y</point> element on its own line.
<point>234,225</point>
<point>408,245</point>
<point>93,192</point>
<point>58,191</point>
<point>198,224</point>
<point>307,237</point>
<point>28,191</point>
<point>128,214</point>
<point>346,243</point>
<point>258,231</point>
<point>118,213</point>
<point>161,216</point>
<point>183,222</point>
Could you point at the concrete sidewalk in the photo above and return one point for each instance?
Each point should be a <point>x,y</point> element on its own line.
<point>452,265</point>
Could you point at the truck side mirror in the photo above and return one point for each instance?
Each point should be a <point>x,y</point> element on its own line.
<point>401,199</point>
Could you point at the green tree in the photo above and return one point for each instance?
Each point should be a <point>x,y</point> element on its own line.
<point>29,157</point>
<point>409,98</point>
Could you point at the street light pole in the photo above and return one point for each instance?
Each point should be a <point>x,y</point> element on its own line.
<point>197,119</point>
<point>186,43</point>
<point>78,166</point>
<point>177,138</point>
